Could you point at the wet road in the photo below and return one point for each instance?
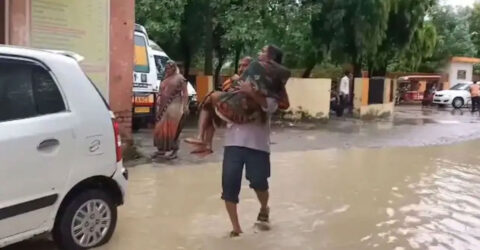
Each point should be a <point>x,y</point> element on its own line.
<point>411,126</point>
<point>348,184</point>
<point>384,198</point>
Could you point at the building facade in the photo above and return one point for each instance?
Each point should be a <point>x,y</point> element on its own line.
<point>99,30</point>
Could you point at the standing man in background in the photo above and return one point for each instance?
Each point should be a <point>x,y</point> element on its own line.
<point>344,92</point>
<point>475,93</point>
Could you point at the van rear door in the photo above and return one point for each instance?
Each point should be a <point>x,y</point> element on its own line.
<point>145,73</point>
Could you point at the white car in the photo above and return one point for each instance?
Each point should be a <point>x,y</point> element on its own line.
<point>457,96</point>
<point>61,167</point>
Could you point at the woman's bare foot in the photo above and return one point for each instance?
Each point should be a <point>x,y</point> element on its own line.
<point>202,151</point>
<point>195,141</point>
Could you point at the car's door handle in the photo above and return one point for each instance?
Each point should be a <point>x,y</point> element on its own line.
<point>47,144</point>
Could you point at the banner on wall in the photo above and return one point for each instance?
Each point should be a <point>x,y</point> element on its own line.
<point>81,26</point>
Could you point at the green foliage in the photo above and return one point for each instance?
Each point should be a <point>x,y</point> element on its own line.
<point>405,31</point>
<point>474,22</point>
<point>162,19</point>
<point>373,35</point>
<point>453,37</point>
<point>422,46</point>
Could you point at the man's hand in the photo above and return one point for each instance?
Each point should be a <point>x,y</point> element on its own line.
<point>246,87</point>
<point>235,77</point>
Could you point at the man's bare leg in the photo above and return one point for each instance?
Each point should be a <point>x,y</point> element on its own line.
<point>232,213</point>
<point>263,197</point>
<point>263,218</point>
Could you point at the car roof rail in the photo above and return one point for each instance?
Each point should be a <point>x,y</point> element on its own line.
<point>140,28</point>
<point>73,55</point>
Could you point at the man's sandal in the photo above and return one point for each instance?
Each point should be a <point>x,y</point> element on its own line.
<point>234,234</point>
<point>263,220</point>
<point>263,216</point>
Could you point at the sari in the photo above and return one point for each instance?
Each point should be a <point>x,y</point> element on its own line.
<point>171,113</point>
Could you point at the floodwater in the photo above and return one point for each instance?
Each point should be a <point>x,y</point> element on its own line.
<point>389,198</point>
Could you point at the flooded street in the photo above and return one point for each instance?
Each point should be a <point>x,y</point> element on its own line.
<point>390,198</point>
<point>409,183</point>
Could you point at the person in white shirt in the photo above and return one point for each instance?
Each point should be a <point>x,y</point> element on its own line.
<point>344,91</point>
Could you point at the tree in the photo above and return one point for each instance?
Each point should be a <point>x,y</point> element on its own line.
<point>453,36</point>
<point>288,24</point>
<point>162,20</point>
<point>421,47</point>
<point>361,30</point>
<point>405,22</point>
<point>236,25</point>
<point>474,22</point>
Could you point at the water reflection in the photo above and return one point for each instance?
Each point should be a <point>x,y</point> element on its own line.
<point>446,214</point>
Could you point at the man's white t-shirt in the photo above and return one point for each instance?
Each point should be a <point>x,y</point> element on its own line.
<point>344,87</point>
<point>254,135</point>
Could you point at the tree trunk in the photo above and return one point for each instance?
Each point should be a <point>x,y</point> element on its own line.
<point>218,70</point>
<point>357,70</point>
<point>238,51</point>
<point>187,57</point>
<point>308,71</point>
<point>379,69</point>
<point>379,72</point>
<point>208,67</point>
<point>357,64</point>
<point>186,65</point>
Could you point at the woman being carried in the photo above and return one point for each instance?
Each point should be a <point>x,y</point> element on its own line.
<point>172,108</point>
<point>266,76</point>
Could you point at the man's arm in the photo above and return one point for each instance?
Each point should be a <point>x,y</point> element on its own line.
<point>272,105</point>
<point>343,86</point>
<point>247,88</point>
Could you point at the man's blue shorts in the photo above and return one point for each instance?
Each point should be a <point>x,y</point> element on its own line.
<point>257,165</point>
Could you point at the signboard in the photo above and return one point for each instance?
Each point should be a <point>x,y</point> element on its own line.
<point>81,26</point>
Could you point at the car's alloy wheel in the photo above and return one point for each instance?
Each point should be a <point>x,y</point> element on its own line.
<point>87,220</point>
<point>91,223</point>
<point>457,102</point>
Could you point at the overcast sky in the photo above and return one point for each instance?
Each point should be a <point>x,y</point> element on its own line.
<point>459,2</point>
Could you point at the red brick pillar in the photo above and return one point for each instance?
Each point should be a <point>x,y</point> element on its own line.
<point>18,22</point>
<point>122,23</point>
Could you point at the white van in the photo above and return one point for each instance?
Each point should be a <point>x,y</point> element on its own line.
<point>161,59</point>
<point>145,80</point>
<point>61,165</point>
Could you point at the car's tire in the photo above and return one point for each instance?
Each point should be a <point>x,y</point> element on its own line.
<point>458,102</point>
<point>90,211</point>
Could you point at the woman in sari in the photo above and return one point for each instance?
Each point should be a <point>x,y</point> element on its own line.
<point>172,109</point>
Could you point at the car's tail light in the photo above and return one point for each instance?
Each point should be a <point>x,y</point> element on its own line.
<point>118,139</point>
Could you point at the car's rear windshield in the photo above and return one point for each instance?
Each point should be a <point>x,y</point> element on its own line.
<point>160,62</point>
<point>460,86</point>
